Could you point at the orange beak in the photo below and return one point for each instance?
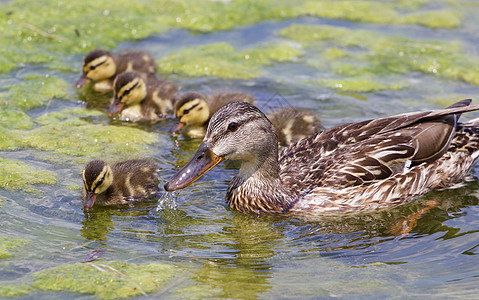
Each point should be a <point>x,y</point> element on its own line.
<point>203,161</point>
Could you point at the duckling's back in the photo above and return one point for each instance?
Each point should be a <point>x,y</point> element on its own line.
<point>134,60</point>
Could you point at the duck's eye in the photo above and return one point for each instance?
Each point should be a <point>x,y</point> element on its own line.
<point>100,182</point>
<point>93,67</point>
<point>232,126</point>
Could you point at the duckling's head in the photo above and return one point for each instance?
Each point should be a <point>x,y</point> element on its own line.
<point>191,110</point>
<point>97,65</point>
<point>237,131</point>
<point>97,178</point>
<point>129,88</point>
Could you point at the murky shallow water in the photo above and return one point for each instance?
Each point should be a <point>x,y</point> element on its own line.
<point>248,256</point>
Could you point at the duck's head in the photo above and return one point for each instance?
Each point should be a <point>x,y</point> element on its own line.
<point>97,65</point>
<point>237,131</point>
<point>191,110</point>
<point>128,88</point>
<point>97,178</point>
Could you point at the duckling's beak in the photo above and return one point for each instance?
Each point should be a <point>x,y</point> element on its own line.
<point>89,200</point>
<point>203,161</point>
<point>176,126</point>
<point>115,107</point>
<point>81,81</point>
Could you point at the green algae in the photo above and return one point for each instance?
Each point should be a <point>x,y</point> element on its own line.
<point>9,139</point>
<point>381,58</point>
<point>15,175</point>
<point>354,84</point>
<point>107,141</point>
<point>383,13</point>
<point>34,91</point>
<point>222,60</point>
<point>13,290</point>
<point>9,244</point>
<point>49,29</point>
<point>106,280</point>
<point>15,119</point>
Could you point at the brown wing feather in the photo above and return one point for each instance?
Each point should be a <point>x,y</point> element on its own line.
<point>362,152</point>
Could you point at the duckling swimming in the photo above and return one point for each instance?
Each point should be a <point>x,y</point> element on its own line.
<point>137,99</point>
<point>194,110</point>
<point>362,166</point>
<point>121,183</point>
<point>292,124</point>
<point>101,67</point>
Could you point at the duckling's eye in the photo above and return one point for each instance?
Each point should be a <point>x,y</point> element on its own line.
<point>100,182</point>
<point>232,126</point>
<point>93,67</point>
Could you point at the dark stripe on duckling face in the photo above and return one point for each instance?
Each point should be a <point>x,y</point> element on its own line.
<point>97,176</point>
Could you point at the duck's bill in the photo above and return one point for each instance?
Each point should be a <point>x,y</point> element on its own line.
<point>115,107</point>
<point>89,200</point>
<point>176,127</point>
<point>81,81</point>
<point>203,161</point>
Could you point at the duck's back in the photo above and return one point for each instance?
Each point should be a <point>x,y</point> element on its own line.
<point>380,162</point>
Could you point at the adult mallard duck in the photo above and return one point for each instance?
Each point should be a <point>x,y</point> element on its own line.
<point>194,110</point>
<point>120,183</point>
<point>101,67</point>
<point>137,99</point>
<point>355,167</point>
<point>292,124</point>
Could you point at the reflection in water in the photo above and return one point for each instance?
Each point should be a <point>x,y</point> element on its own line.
<point>243,270</point>
<point>98,221</point>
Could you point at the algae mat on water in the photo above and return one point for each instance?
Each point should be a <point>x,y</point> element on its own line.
<point>107,280</point>
<point>51,29</point>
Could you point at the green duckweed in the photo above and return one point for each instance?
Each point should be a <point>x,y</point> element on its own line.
<point>15,175</point>
<point>106,280</point>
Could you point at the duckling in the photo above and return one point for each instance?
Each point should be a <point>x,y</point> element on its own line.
<point>120,183</point>
<point>139,99</point>
<point>292,124</point>
<point>194,110</point>
<point>101,67</point>
<point>351,168</point>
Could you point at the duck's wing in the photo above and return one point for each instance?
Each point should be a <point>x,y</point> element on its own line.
<point>356,153</point>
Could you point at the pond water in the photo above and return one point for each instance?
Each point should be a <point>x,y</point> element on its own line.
<point>207,249</point>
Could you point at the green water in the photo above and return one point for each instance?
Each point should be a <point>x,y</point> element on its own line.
<point>345,60</point>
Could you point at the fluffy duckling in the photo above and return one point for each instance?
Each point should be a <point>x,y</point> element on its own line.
<point>137,99</point>
<point>101,67</point>
<point>194,110</point>
<point>292,124</point>
<point>120,183</point>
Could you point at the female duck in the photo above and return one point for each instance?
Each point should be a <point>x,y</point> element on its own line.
<point>101,67</point>
<point>137,99</point>
<point>354,167</point>
<point>194,110</point>
<point>120,183</point>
